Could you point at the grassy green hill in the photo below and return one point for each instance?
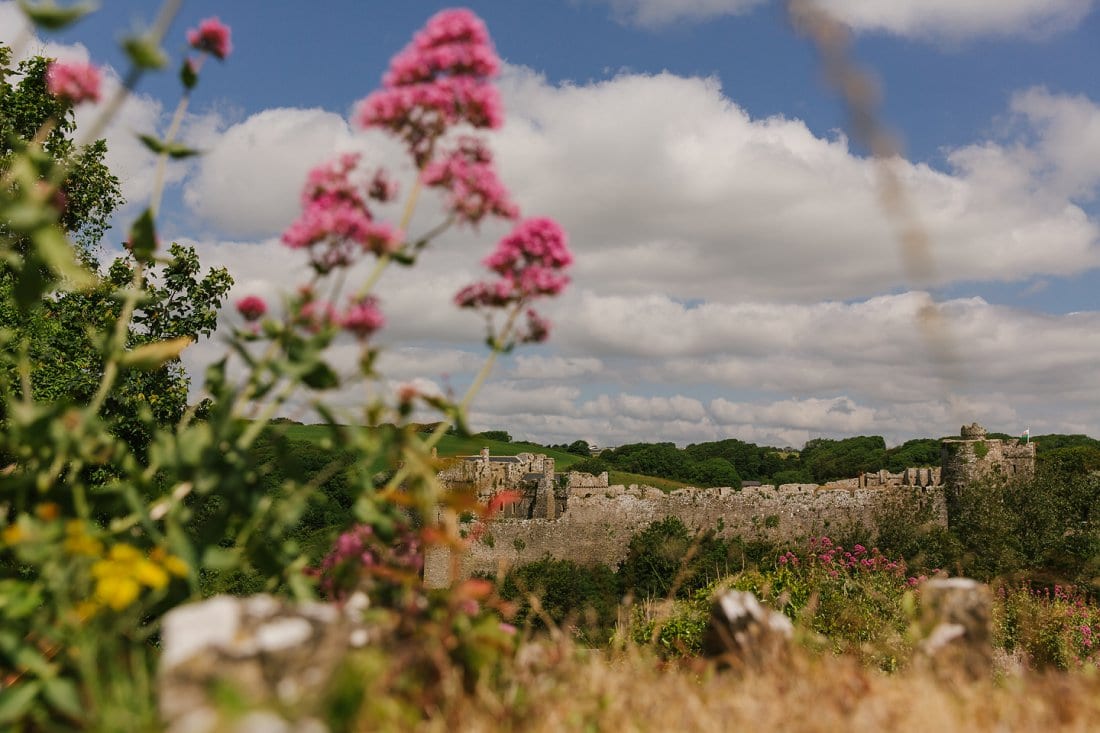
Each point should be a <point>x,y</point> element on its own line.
<point>449,445</point>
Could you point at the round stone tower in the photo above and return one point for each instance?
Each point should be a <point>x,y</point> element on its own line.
<point>976,457</point>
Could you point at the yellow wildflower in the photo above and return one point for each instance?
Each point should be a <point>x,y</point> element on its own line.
<point>12,534</point>
<point>123,553</point>
<point>120,576</point>
<point>85,610</point>
<point>171,563</point>
<point>117,591</point>
<point>79,542</point>
<point>150,574</point>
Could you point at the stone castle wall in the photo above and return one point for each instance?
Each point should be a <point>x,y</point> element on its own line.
<point>581,518</point>
<point>597,524</point>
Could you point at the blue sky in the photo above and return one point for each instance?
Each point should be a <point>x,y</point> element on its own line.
<point>736,276</point>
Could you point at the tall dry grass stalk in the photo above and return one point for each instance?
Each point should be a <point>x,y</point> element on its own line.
<point>557,686</point>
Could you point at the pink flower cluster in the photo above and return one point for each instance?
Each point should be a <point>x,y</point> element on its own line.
<point>474,190</point>
<point>336,224</point>
<point>530,263</point>
<point>358,554</point>
<point>362,318</point>
<point>73,82</point>
<point>438,80</point>
<point>212,37</point>
<point>834,559</point>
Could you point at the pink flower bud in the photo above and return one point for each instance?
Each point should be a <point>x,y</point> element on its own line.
<point>251,307</point>
<point>212,36</point>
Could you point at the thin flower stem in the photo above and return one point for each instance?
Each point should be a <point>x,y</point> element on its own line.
<point>167,14</point>
<point>384,260</point>
<point>162,159</point>
<point>471,392</point>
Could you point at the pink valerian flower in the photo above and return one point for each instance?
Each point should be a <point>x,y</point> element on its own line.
<point>335,216</point>
<point>469,176</point>
<point>212,36</point>
<point>73,81</point>
<point>316,315</point>
<point>440,79</point>
<point>486,295</point>
<point>362,318</point>
<point>382,187</point>
<point>454,41</point>
<point>529,262</point>
<point>537,329</point>
<point>251,307</point>
<point>538,242</point>
<point>358,555</point>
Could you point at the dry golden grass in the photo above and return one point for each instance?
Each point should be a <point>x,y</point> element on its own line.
<point>557,686</point>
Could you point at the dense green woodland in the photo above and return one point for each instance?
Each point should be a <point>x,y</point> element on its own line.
<point>729,462</point>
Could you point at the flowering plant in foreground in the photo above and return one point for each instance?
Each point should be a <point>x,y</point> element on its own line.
<point>107,536</point>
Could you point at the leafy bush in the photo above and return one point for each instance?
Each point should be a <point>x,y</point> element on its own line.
<point>593,466</point>
<point>1053,626</point>
<point>1048,525</point>
<point>568,594</point>
<point>664,559</point>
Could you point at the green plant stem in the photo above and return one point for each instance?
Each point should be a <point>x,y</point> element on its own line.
<point>162,159</point>
<point>385,259</point>
<point>471,392</point>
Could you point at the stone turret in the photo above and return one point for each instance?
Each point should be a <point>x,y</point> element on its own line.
<point>974,457</point>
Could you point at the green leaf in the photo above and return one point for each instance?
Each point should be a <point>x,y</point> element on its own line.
<point>32,283</point>
<point>16,700</point>
<point>51,16</point>
<point>30,659</point>
<point>143,237</point>
<point>148,357</point>
<point>144,53</point>
<point>188,77</point>
<point>172,150</point>
<point>61,693</point>
<point>300,587</point>
<point>220,558</point>
<point>54,249</point>
<point>320,376</point>
<point>215,376</point>
<point>26,216</point>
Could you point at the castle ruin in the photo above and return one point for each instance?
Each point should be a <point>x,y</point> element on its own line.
<point>580,517</point>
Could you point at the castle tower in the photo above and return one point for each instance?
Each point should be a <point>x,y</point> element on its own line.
<point>975,457</point>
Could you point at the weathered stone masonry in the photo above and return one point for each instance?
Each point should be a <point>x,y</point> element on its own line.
<point>583,519</point>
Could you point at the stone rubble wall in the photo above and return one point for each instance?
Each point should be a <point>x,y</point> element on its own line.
<point>598,523</point>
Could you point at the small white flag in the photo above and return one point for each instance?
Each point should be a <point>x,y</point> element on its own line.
<point>1026,435</point>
